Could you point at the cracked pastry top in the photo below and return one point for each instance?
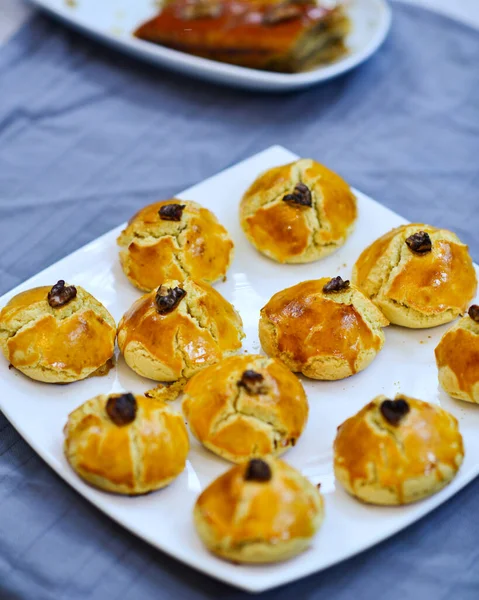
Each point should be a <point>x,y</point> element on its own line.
<point>263,511</point>
<point>457,357</point>
<point>298,213</point>
<point>174,239</point>
<point>126,443</point>
<point>419,276</point>
<point>246,407</point>
<point>397,451</point>
<point>324,328</point>
<point>286,36</point>
<point>57,334</point>
<point>178,329</point>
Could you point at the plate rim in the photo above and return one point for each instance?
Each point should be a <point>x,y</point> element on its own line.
<point>175,60</point>
<point>100,502</point>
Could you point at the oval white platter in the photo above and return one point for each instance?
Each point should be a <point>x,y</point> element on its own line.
<point>406,364</point>
<point>113,21</point>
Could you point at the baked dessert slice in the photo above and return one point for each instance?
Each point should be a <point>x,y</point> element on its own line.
<point>286,36</point>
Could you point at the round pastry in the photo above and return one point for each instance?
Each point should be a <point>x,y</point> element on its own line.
<point>298,213</point>
<point>457,357</point>
<point>397,451</point>
<point>419,276</point>
<point>126,444</point>
<point>57,335</point>
<point>174,239</point>
<point>173,332</point>
<point>259,512</point>
<point>324,328</point>
<point>246,406</point>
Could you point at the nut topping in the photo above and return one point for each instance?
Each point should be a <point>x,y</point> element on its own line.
<point>60,294</point>
<point>279,13</point>
<point>335,285</point>
<point>201,9</point>
<point>473,312</point>
<point>394,410</point>
<point>253,383</point>
<point>167,299</point>
<point>302,194</point>
<point>121,409</point>
<point>257,470</point>
<point>171,212</point>
<point>419,242</point>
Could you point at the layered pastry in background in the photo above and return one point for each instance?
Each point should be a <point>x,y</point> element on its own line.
<point>246,407</point>
<point>57,334</point>
<point>324,328</point>
<point>397,451</point>
<point>457,357</point>
<point>259,512</point>
<point>174,239</point>
<point>126,444</point>
<point>298,213</point>
<point>177,330</point>
<point>419,276</point>
<point>280,35</point>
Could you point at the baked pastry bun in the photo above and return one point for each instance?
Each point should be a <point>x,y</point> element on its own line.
<point>174,239</point>
<point>173,332</point>
<point>259,512</point>
<point>457,357</point>
<point>419,276</point>
<point>298,213</point>
<point>397,451</point>
<point>324,328</point>
<point>57,334</point>
<point>246,407</point>
<point>126,444</point>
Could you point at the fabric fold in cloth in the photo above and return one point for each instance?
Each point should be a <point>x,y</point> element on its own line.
<point>88,136</point>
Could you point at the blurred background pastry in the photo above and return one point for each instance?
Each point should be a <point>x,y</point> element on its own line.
<point>245,407</point>
<point>324,328</point>
<point>419,276</point>
<point>57,334</point>
<point>174,239</point>
<point>126,444</point>
<point>262,511</point>
<point>276,35</point>
<point>397,451</point>
<point>457,357</point>
<point>298,213</point>
<point>178,329</point>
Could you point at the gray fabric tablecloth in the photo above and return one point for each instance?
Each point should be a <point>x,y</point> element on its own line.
<point>87,136</point>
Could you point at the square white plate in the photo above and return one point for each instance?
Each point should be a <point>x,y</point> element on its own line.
<point>406,364</point>
<point>113,21</point>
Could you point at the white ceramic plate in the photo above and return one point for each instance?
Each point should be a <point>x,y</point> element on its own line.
<point>406,364</point>
<point>113,21</point>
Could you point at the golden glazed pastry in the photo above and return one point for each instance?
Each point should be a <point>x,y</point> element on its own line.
<point>457,357</point>
<point>57,335</point>
<point>126,444</point>
<point>419,276</point>
<point>246,406</point>
<point>324,328</point>
<point>259,512</point>
<point>298,213</point>
<point>174,239</point>
<point>397,451</point>
<point>276,35</point>
<point>173,332</point>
